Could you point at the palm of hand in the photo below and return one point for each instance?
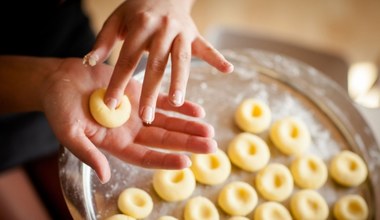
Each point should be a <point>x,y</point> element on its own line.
<point>66,107</point>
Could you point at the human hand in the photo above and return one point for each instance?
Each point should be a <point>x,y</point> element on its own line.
<point>162,28</point>
<point>65,103</point>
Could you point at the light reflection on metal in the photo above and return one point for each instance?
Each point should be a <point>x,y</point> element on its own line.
<point>364,84</point>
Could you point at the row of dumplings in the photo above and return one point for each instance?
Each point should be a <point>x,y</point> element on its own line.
<point>274,181</point>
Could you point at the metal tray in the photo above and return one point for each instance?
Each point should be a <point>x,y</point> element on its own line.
<point>289,86</point>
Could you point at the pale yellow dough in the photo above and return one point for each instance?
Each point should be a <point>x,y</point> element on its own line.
<point>200,208</point>
<point>275,182</point>
<point>348,169</point>
<point>238,218</point>
<point>248,152</point>
<point>174,185</point>
<point>238,198</point>
<point>290,135</point>
<point>309,172</point>
<point>253,115</point>
<point>271,211</point>
<point>120,217</point>
<point>135,202</point>
<point>351,207</point>
<point>110,118</point>
<point>308,204</point>
<point>211,169</point>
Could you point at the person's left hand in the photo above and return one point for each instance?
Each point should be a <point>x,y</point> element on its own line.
<point>165,29</point>
<point>65,104</point>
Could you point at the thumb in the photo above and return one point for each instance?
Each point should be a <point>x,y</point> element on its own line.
<point>89,154</point>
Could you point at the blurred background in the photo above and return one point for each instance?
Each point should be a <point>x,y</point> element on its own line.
<point>349,28</point>
<point>339,37</point>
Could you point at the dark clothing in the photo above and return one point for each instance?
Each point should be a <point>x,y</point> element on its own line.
<point>44,28</point>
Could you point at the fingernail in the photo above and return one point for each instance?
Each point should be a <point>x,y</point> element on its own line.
<point>105,178</point>
<point>177,98</point>
<point>188,162</point>
<point>147,114</point>
<point>202,113</point>
<point>111,103</point>
<point>90,59</point>
<point>214,146</point>
<point>229,67</point>
<point>103,181</point>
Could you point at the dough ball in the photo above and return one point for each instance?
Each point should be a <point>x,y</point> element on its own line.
<point>275,182</point>
<point>248,152</point>
<point>166,217</point>
<point>238,198</point>
<point>110,118</point>
<point>348,169</point>
<point>271,211</point>
<point>238,218</point>
<point>174,185</point>
<point>309,172</point>
<point>351,207</point>
<point>120,217</point>
<point>211,169</point>
<point>200,208</point>
<point>290,135</point>
<point>308,204</point>
<point>253,115</point>
<point>135,202</point>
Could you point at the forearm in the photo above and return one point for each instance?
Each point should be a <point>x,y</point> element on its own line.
<point>22,80</point>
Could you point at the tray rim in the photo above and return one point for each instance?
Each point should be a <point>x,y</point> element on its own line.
<point>285,78</point>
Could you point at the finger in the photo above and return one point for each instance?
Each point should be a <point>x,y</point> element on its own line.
<point>170,140</point>
<point>188,108</point>
<point>202,49</point>
<point>184,126</point>
<point>130,54</point>
<point>144,157</point>
<point>105,41</point>
<point>157,60</point>
<point>181,57</point>
<point>89,154</point>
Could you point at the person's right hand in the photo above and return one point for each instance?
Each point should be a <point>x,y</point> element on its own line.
<point>166,30</point>
<point>65,104</point>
